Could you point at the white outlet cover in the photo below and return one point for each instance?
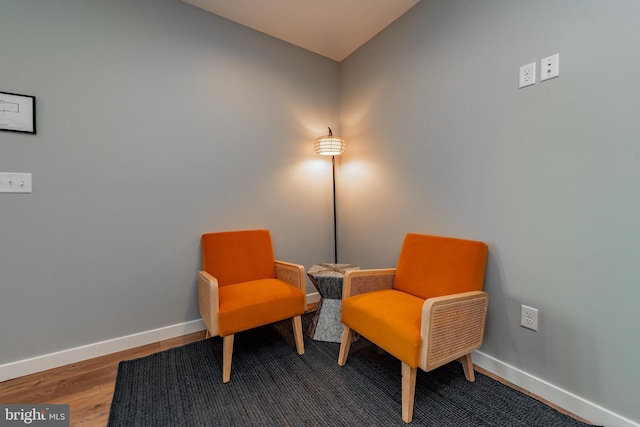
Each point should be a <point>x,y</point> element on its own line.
<point>527,76</point>
<point>550,67</point>
<point>15,182</point>
<point>529,317</point>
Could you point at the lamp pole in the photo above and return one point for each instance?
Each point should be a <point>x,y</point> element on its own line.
<point>335,220</point>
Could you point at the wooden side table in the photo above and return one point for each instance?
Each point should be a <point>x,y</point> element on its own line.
<point>327,279</point>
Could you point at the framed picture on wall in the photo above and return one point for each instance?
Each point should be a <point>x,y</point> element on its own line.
<point>17,112</point>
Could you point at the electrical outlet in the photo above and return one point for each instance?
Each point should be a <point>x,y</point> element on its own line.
<point>550,67</point>
<point>529,317</point>
<point>15,182</point>
<point>527,75</point>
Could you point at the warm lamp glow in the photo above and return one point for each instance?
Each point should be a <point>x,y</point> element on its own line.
<point>329,145</point>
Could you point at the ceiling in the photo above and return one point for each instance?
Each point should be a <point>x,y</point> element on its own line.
<point>331,28</point>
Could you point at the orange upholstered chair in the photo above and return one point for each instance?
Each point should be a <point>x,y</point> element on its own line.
<point>428,311</point>
<point>242,286</point>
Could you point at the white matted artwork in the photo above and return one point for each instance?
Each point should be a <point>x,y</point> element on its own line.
<point>17,112</point>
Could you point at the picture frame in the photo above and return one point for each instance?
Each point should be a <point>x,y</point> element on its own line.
<point>17,112</point>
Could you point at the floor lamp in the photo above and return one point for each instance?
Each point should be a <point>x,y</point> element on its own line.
<point>330,145</point>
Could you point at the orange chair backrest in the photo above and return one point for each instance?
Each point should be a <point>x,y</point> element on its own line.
<point>238,256</point>
<point>431,266</point>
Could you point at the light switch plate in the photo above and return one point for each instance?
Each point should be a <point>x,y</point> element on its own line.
<point>11,182</point>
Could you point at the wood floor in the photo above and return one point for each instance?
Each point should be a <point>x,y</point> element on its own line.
<point>88,386</point>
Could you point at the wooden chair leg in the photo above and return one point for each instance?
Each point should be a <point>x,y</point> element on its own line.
<point>408,391</point>
<point>345,345</point>
<point>227,353</point>
<point>467,366</point>
<point>297,332</point>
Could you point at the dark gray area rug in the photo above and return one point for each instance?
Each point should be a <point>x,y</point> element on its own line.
<point>271,385</point>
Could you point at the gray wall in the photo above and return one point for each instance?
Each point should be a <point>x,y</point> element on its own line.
<point>157,121</point>
<point>442,141</point>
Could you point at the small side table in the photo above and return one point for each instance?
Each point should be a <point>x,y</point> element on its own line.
<point>327,278</point>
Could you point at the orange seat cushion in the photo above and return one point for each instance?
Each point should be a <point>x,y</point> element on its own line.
<point>238,256</point>
<point>388,318</point>
<point>255,303</point>
<point>431,266</point>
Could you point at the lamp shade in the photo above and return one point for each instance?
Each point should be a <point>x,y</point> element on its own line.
<point>329,145</point>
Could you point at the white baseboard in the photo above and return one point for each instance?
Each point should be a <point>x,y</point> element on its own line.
<point>65,357</point>
<point>562,398</point>
<point>85,352</point>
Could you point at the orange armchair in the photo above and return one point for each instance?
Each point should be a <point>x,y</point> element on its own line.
<point>428,311</point>
<point>242,286</point>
